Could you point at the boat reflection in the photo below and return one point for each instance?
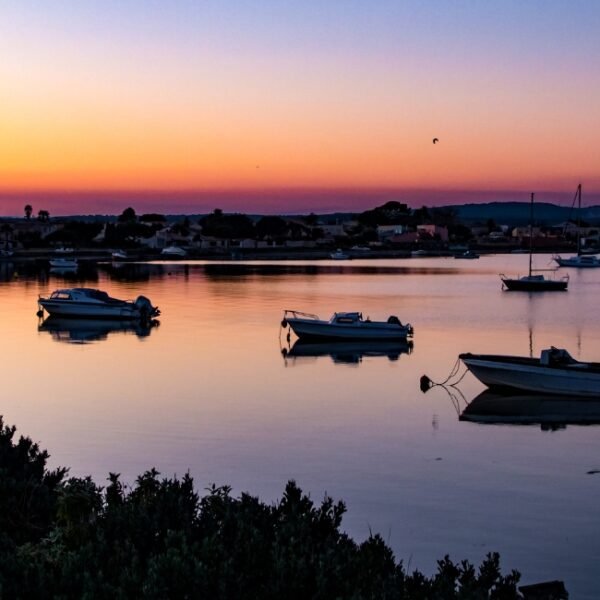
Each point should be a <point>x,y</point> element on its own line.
<point>347,352</point>
<point>85,331</point>
<point>550,412</point>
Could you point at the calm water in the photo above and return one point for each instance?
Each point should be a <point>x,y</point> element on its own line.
<point>209,391</point>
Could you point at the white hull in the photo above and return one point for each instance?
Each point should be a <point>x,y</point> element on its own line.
<point>311,328</point>
<point>579,262</point>
<point>95,311</point>
<point>573,380</point>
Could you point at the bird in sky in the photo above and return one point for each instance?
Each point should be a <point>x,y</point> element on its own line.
<point>435,140</point>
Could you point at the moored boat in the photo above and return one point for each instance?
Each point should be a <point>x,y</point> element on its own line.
<point>339,255</point>
<point>173,251</point>
<point>345,325</point>
<point>467,255</point>
<point>555,372</point>
<point>531,282</point>
<point>63,263</point>
<point>579,261</point>
<point>91,303</point>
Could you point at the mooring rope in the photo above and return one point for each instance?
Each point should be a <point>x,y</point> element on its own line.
<point>427,383</point>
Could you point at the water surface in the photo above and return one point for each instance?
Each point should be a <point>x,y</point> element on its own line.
<point>209,391</point>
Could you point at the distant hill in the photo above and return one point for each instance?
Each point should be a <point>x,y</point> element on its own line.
<point>517,213</point>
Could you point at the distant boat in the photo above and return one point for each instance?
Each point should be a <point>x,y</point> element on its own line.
<point>468,255</point>
<point>419,253</point>
<point>360,249</point>
<point>339,255</point>
<point>63,263</point>
<point>581,260</point>
<point>119,255</point>
<point>555,372</point>
<point>173,251</point>
<point>345,326</point>
<point>530,282</point>
<point>91,303</point>
<point>6,253</point>
<point>64,250</point>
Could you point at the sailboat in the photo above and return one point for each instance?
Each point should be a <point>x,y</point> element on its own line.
<point>530,282</point>
<point>581,261</point>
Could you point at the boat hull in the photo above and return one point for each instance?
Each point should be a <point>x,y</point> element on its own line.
<point>523,285</point>
<point>323,330</point>
<point>577,263</point>
<point>92,311</point>
<point>529,375</point>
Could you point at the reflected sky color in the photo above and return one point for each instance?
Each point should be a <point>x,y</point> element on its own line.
<point>209,391</point>
<point>286,106</point>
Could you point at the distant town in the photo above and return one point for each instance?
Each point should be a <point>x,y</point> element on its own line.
<point>392,229</point>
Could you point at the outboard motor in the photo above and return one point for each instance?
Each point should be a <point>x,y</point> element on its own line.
<point>147,311</point>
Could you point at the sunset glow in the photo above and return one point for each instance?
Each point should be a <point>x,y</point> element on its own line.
<point>295,106</point>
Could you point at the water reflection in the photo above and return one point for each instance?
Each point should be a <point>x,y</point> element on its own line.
<point>347,352</point>
<point>85,331</point>
<point>550,412</point>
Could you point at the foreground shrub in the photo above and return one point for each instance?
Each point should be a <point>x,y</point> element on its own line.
<point>67,537</point>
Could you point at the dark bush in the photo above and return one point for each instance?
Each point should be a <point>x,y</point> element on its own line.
<point>69,538</point>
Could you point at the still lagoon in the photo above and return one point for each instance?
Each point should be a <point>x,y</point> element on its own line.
<point>217,390</point>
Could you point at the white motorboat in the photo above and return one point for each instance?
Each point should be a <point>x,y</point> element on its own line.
<point>63,263</point>
<point>173,251</point>
<point>119,255</point>
<point>345,325</point>
<point>339,255</point>
<point>555,372</point>
<point>91,303</point>
<point>579,261</point>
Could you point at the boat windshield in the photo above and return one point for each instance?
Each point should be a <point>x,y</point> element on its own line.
<point>60,295</point>
<point>346,318</point>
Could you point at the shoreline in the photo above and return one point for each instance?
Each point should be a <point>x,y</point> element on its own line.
<point>136,256</point>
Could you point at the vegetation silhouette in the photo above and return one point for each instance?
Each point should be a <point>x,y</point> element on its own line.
<point>70,538</point>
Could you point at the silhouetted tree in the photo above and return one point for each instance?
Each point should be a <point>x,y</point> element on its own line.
<point>43,215</point>
<point>271,226</point>
<point>28,211</point>
<point>127,216</point>
<point>234,226</point>
<point>152,218</point>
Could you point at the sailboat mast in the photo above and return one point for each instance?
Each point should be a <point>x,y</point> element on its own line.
<point>579,221</point>
<point>530,233</point>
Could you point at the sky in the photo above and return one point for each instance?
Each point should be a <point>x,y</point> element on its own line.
<point>278,106</point>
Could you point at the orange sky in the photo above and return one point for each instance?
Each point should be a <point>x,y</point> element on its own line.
<point>184,100</point>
